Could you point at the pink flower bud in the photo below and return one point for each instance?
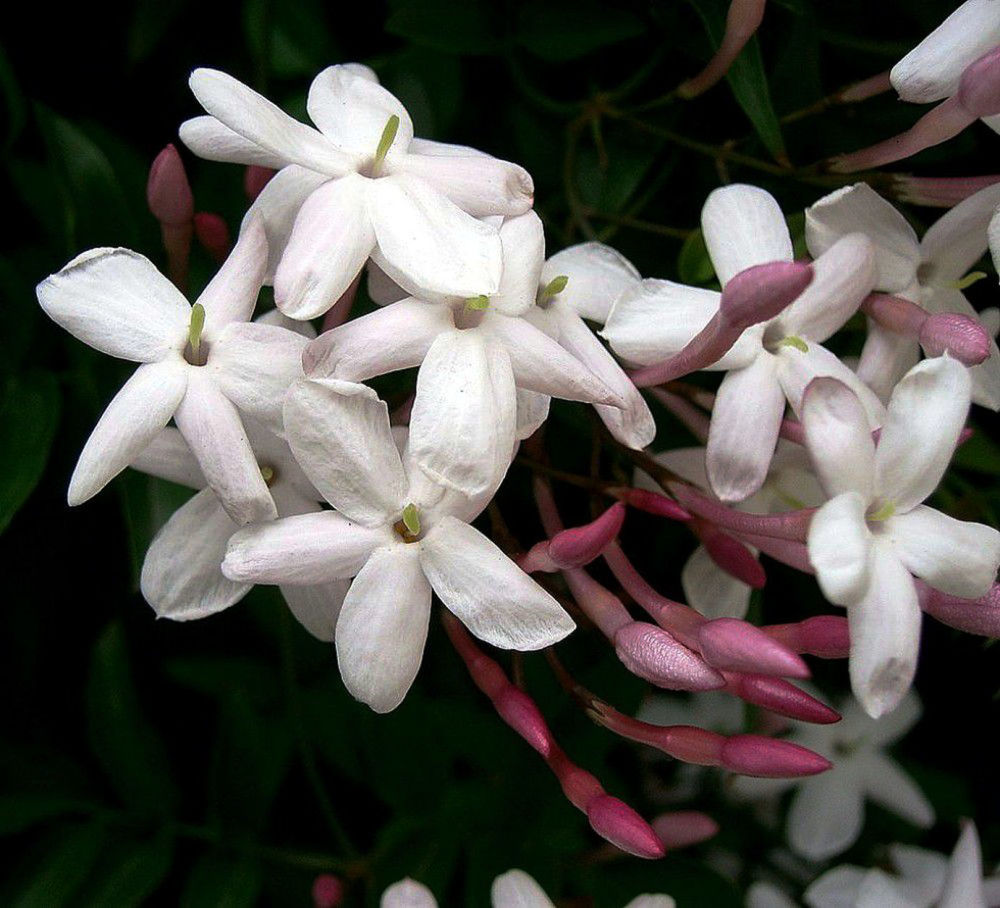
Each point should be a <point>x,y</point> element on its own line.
<point>825,636</point>
<point>519,711</point>
<point>979,87</point>
<point>168,192</point>
<point>940,192</point>
<point>865,89</point>
<point>580,787</point>
<point>681,828</point>
<point>895,313</point>
<point>728,643</point>
<point>615,821</point>
<point>255,178</point>
<point>761,292</point>
<point>651,502</point>
<point>770,758</point>
<point>578,546</point>
<point>781,697</point>
<point>974,616</point>
<point>793,525</point>
<point>655,655</point>
<point>327,891</point>
<point>731,555</point>
<point>213,234</point>
<point>742,20</point>
<point>961,336</point>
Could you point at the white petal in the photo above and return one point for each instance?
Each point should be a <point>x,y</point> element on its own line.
<point>515,889</point>
<point>211,139</point>
<point>652,901</point>
<point>317,607</point>
<point>888,786</point>
<point>958,239</point>
<point>826,815</point>
<point>540,364</point>
<point>276,318</point>
<point>255,118</point>
<point>932,69</point>
<point>889,729</point>
<point>278,205</point>
<point>303,549</point>
<point>464,416</point>
<point>837,888</point>
<point>523,241</point>
<point>860,209</point>
<point>838,438</point>
<point>744,429</point>
<point>879,890</point>
<point>382,288</point>
<point>117,302</point>
<point>597,275</point>
<point>169,457</point>
<point>885,634</point>
<point>796,369</point>
<point>955,556</point>
<point>232,293</point>
<point>843,276</point>
<point>743,226</point>
<point>885,358</point>
<point>213,429</point>
<point>339,432</point>
<point>839,544</point>
<point>383,626</point>
<point>408,894</point>
<point>632,424</point>
<point>494,598</point>
<point>330,242</point>
<point>427,242</point>
<point>352,111</point>
<point>254,365</point>
<point>182,575</point>
<point>926,413</point>
<point>712,591</point>
<point>477,183</point>
<point>135,416</point>
<point>964,884</point>
<point>396,336</point>
<point>532,411</point>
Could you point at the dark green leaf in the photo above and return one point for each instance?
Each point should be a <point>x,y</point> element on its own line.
<point>218,881</point>
<point>565,30</point>
<point>29,414</point>
<point>22,811</point>
<point>693,264</point>
<point>64,868</point>
<point>470,27</point>
<point>13,101</point>
<point>136,871</point>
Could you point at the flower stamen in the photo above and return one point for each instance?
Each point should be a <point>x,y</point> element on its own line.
<point>385,143</point>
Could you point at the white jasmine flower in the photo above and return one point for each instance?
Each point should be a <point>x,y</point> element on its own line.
<point>873,533</point>
<point>827,812</point>
<point>200,364</point>
<point>400,537</point>
<point>474,355</point>
<point>772,361</point>
<point>359,185</point>
<point>928,272</point>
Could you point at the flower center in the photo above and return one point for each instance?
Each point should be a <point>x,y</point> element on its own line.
<point>384,144</point>
<point>551,289</point>
<point>269,475</point>
<point>408,526</point>
<point>196,353</point>
<point>880,510</point>
<point>795,342</point>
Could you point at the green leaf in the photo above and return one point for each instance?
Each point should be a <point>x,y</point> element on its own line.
<point>470,27</point>
<point>746,78</point>
<point>218,881</point>
<point>13,99</point>
<point>19,812</point>
<point>63,869</point>
<point>136,871</point>
<point>123,741</point>
<point>29,415</point>
<point>693,263</point>
<point>561,30</point>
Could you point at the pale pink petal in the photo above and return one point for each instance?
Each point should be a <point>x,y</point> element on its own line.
<point>743,226</point>
<point>963,886</point>
<point>317,607</point>
<point>303,549</point>
<point>523,241</point>
<point>408,894</point>
<point>169,457</point>
<point>135,416</point>
<point>211,139</point>
<point>958,239</point>
<point>955,556</point>
<point>885,358</point>
<point>494,598</point>
<point>839,549</point>
<point>232,294</point>
<point>515,889</point>
<point>330,242</point>
<point>532,411</point>
<point>116,301</point>
<point>339,433</point>
<point>744,430</point>
<point>926,413</point>
<point>596,276</point>
<point>383,626</point>
<point>212,427</point>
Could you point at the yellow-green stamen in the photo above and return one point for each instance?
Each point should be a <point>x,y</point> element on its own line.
<point>385,142</point>
<point>968,280</point>
<point>553,288</point>
<point>411,519</point>
<point>267,474</point>
<point>478,303</point>
<point>196,327</point>
<point>883,513</point>
<point>794,341</point>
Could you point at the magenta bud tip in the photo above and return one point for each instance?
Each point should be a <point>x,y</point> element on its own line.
<point>168,192</point>
<point>785,699</point>
<point>578,546</point>
<point>961,336</point>
<point>213,234</point>
<point>979,87</point>
<point>327,891</point>
<point>653,654</point>
<point>681,828</point>
<point>760,292</point>
<point>733,556</point>
<point>653,503</point>
<point>729,643</point>
<point>769,758</point>
<point>619,824</point>
<point>519,711</point>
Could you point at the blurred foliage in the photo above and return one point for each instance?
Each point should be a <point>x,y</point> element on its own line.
<point>222,763</point>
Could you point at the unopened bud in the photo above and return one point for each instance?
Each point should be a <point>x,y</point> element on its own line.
<point>255,178</point>
<point>681,828</point>
<point>651,502</point>
<point>615,821</point>
<point>961,336</point>
<point>770,758</point>
<point>728,643</point>
<point>327,891</point>
<point>213,234</point>
<point>168,192</point>
<point>578,546</point>
<point>761,292</point>
<point>783,698</point>
<point>519,711</point>
<point>731,555</point>
<point>651,653</point>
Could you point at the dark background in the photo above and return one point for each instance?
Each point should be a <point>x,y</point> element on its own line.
<point>221,762</point>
